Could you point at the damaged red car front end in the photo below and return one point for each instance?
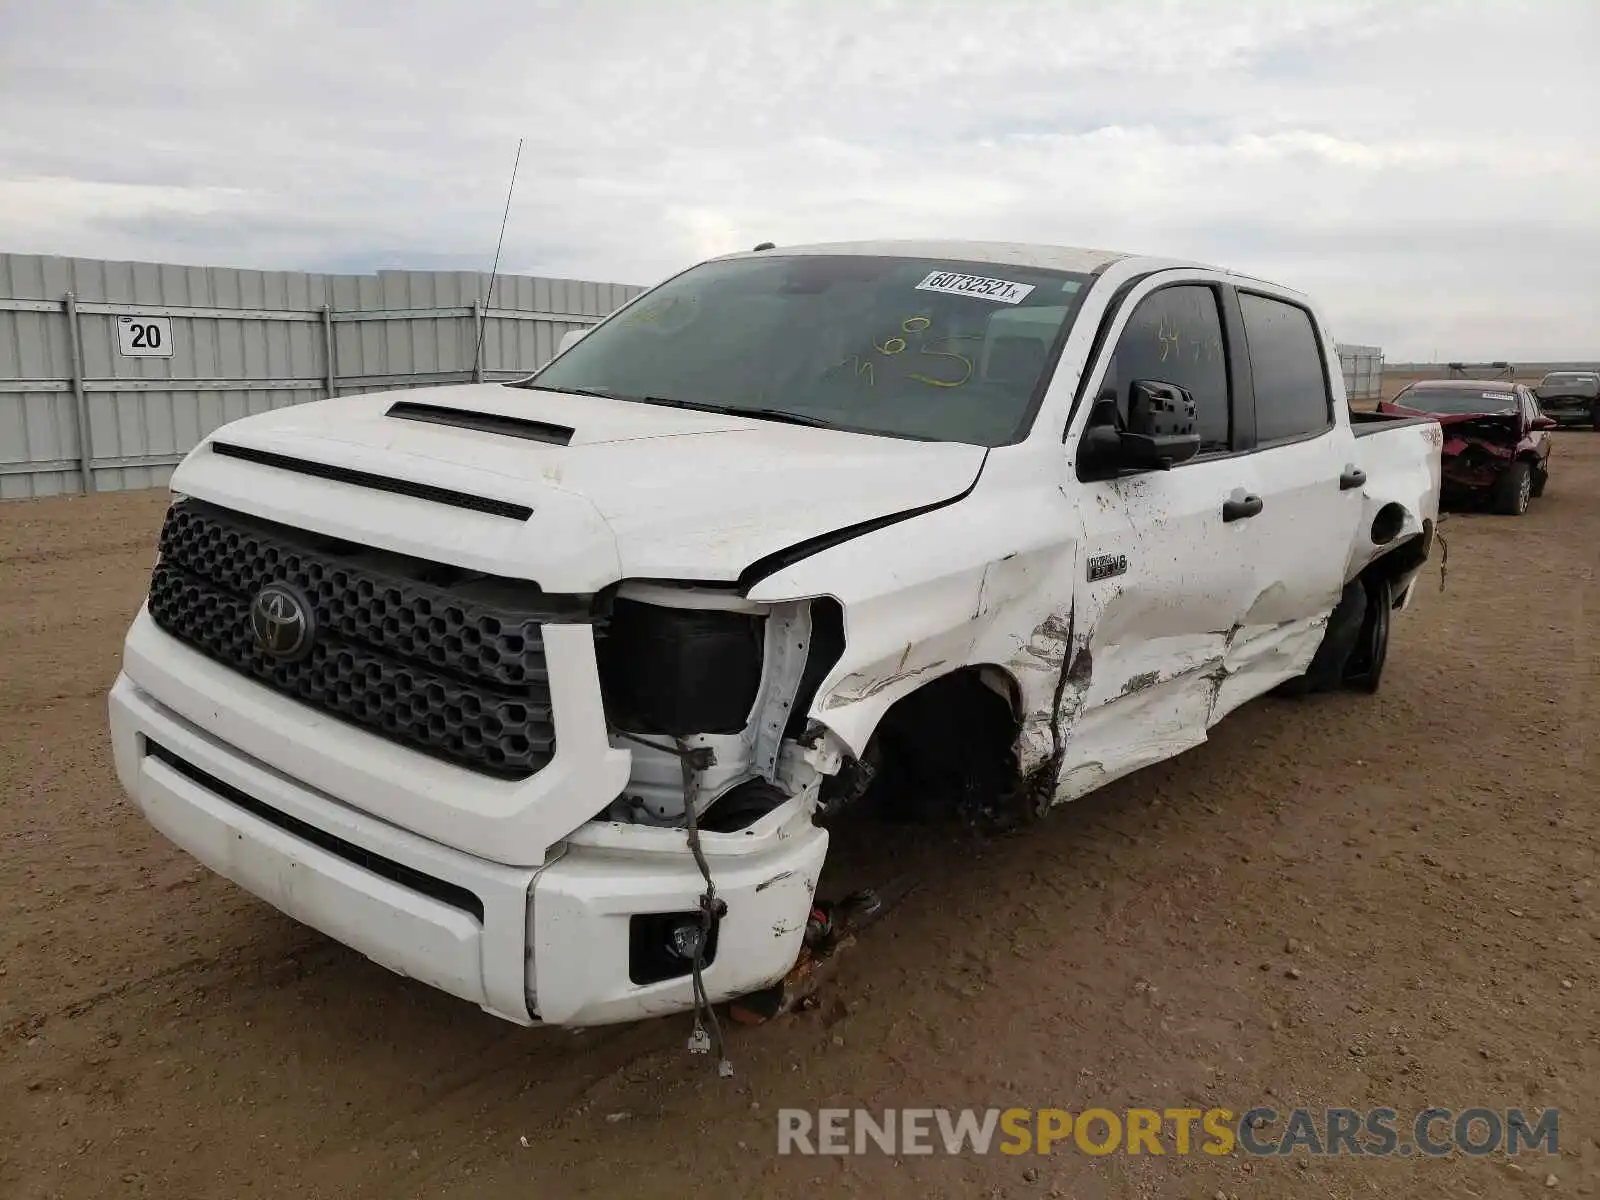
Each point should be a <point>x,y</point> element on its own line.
<point>1477,450</point>
<point>1496,445</point>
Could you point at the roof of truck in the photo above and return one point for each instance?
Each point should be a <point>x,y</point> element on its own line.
<point>1021,254</point>
<point>1079,259</point>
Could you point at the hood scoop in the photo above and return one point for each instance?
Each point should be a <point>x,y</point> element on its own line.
<point>517,427</point>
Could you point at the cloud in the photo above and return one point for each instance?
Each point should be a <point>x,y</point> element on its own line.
<point>1425,169</point>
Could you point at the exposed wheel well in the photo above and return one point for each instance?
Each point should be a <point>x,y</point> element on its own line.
<point>1401,558</point>
<point>949,746</point>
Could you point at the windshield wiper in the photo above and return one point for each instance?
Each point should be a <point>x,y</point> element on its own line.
<point>779,414</point>
<point>760,414</point>
<point>579,391</point>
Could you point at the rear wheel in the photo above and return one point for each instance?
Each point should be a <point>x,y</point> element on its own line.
<point>1594,416</point>
<point>1339,641</point>
<point>1363,670</point>
<point>1541,476</point>
<point>1512,492</point>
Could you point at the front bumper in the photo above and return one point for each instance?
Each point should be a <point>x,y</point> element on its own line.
<point>543,943</point>
<point>1473,470</point>
<point>509,821</point>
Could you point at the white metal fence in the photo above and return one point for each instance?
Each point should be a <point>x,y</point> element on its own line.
<point>111,371</point>
<point>1363,371</point>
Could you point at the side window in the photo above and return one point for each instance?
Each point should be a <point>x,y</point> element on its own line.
<point>1292,396</point>
<point>1175,336</point>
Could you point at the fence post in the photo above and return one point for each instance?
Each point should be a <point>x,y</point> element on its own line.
<point>85,441</point>
<point>327,350</point>
<point>477,340</point>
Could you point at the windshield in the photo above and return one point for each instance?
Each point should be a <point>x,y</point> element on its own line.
<point>1458,400</point>
<point>1570,379</point>
<point>907,347</point>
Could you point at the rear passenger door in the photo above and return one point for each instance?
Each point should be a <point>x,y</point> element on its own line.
<point>1302,460</point>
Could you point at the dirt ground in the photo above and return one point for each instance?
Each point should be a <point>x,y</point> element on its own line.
<point>1423,861</point>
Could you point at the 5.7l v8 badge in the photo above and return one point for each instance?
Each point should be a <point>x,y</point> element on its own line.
<point>1104,566</point>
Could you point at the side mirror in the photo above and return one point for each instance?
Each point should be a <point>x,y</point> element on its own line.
<point>569,339</point>
<point>1162,430</point>
<point>1100,455</point>
<point>1544,422</point>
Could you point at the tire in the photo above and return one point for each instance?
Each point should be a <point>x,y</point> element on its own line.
<point>1513,490</point>
<point>1339,640</point>
<point>1594,417</point>
<point>1540,478</point>
<point>1363,669</point>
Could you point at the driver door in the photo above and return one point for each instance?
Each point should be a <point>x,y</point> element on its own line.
<point>1164,581</point>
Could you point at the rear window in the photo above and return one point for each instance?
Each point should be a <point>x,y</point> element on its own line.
<point>1489,399</point>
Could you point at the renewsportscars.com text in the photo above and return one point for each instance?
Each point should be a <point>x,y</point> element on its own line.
<point>1259,1131</point>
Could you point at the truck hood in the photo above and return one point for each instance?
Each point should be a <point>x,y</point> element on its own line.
<point>617,489</point>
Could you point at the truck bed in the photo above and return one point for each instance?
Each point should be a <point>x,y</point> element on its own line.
<point>1364,424</point>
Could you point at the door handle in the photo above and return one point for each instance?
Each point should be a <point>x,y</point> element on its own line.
<point>1238,508</point>
<point>1353,477</point>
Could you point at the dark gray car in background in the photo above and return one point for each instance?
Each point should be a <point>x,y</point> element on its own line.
<point>1571,397</point>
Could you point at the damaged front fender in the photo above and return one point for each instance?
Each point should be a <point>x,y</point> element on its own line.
<point>895,643</point>
<point>947,590</point>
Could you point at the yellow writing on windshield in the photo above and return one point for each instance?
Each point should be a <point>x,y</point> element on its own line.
<point>863,367</point>
<point>897,344</point>
<point>965,362</point>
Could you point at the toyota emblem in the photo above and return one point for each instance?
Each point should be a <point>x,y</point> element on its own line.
<point>281,621</point>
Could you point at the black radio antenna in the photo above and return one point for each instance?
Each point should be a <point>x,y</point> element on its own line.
<point>494,271</point>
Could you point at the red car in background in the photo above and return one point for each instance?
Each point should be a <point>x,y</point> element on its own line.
<point>1496,439</point>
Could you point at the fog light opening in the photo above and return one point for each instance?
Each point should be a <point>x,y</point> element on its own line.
<point>661,946</point>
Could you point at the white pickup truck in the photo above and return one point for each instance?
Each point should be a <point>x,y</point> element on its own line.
<point>489,681</point>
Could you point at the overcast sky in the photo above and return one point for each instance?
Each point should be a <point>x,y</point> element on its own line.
<point>1429,171</point>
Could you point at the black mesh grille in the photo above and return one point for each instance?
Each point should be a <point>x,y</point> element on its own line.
<point>456,672</point>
